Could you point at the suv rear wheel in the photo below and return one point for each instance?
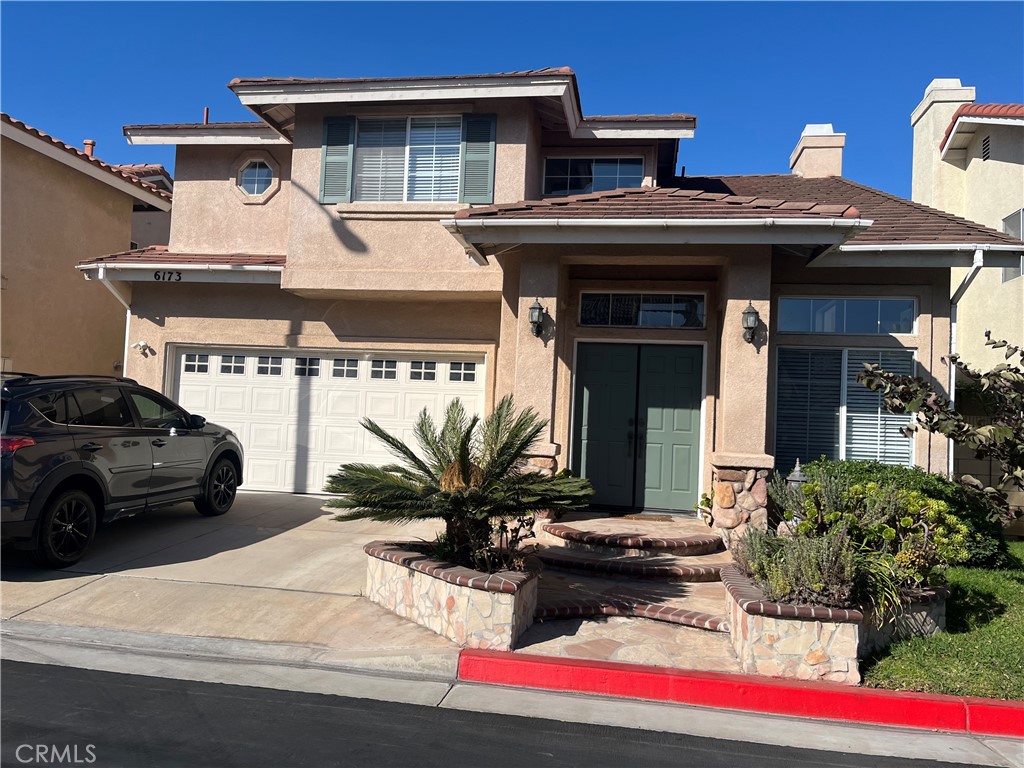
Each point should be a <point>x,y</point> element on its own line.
<point>221,486</point>
<point>66,529</point>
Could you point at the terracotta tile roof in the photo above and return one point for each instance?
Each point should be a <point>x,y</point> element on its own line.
<point>639,118</point>
<point>145,171</point>
<point>981,110</point>
<point>661,203</point>
<point>896,220</point>
<point>158,254</point>
<point>94,161</point>
<point>243,81</point>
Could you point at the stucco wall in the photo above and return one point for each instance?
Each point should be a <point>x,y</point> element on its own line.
<point>54,321</point>
<point>265,316</point>
<point>151,228</point>
<point>392,246</point>
<point>209,214</point>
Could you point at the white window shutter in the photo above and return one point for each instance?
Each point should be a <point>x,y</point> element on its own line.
<point>872,433</point>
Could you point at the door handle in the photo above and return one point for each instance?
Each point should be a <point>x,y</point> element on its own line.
<point>91,447</point>
<point>158,443</point>
<point>642,443</point>
<point>629,443</point>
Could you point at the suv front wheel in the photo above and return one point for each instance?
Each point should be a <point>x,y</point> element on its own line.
<point>221,486</point>
<point>66,529</point>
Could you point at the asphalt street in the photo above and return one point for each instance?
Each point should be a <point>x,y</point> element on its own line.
<point>102,719</point>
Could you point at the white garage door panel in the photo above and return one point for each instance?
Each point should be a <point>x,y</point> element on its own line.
<point>297,430</point>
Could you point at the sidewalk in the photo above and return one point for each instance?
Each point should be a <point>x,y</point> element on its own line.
<point>269,596</point>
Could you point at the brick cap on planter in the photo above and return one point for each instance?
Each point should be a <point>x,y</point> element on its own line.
<point>722,459</point>
<point>751,600</point>
<point>508,582</point>
<point>630,541</point>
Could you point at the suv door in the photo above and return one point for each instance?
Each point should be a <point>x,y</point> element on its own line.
<point>179,452</point>
<point>105,436</point>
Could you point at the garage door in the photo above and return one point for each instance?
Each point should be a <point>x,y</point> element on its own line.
<point>297,414</point>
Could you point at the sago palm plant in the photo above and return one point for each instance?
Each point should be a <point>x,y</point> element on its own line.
<point>468,473</point>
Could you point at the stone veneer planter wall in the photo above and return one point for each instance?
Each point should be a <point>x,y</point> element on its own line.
<point>813,642</point>
<point>740,501</point>
<point>474,609</point>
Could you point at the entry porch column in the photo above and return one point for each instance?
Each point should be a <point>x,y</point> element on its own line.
<point>741,461</point>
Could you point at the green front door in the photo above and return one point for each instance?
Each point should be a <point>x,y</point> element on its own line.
<point>637,424</point>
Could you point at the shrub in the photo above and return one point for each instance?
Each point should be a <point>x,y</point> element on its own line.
<point>962,524</point>
<point>469,474</point>
<point>828,569</point>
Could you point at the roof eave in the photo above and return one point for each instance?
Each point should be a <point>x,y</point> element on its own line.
<point>260,133</point>
<point>475,234</point>
<point>937,255</point>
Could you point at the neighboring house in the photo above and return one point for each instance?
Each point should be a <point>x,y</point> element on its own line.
<point>363,251</point>
<point>150,226</point>
<point>60,205</point>
<point>969,160</point>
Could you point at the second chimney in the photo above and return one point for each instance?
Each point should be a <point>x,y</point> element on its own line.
<point>819,152</point>
<point>90,145</point>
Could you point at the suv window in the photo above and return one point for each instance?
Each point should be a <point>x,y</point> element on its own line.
<point>158,413</point>
<point>102,407</point>
<point>55,407</point>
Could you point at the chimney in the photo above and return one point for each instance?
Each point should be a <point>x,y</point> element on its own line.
<point>819,152</point>
<point>930,118</point>
<point>206,115</point>
<point>90,145</point>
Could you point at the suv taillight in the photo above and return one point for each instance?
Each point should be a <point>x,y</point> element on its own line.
<point>11,444</point>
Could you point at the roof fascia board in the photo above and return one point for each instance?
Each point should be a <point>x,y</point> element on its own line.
<point>666,131</point>
<point>262,134</point>
<point>657,231</point>
<point>84,166</point>
<point>318,93</point>
<point>190,273</point>
<point>882,258</point>
<point>934,247</point>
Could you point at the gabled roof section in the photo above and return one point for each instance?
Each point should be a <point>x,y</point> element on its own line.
<point>660,203</point>
<point>153,173</point>
<point>897,221</point>
<point>274,99</point>
<point>159,255</point>
<point>992,113</point>
<point>115,176</point>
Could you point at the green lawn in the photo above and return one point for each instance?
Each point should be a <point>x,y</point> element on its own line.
<point>982,651</point>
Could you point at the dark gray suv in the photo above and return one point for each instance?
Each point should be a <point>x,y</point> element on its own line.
<point>81,450</point>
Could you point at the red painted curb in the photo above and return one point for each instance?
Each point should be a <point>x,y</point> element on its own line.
<point>828,701</point>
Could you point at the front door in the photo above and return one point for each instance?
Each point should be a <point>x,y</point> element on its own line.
<point>637,424</point>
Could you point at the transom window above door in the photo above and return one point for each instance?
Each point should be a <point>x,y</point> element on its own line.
<point>580,175</point>
<point>642,310</point>
<point>874,317</point>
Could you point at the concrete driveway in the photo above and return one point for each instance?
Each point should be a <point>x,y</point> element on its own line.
<point>276,569</point>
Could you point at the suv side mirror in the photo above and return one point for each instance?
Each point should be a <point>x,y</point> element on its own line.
<point>196,422</point>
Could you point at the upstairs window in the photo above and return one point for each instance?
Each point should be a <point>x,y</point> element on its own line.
<point>1013,225</point>
<point>577,176</point>
<point>255,178</point>
<point>409,159</point>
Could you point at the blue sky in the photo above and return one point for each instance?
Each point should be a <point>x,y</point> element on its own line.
<point>753,73</point>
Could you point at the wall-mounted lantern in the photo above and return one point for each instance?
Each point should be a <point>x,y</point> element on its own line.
<point>750,320</point>
<point>536,317</point>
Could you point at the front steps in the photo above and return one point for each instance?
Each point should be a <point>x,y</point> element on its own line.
<point>665,569</point>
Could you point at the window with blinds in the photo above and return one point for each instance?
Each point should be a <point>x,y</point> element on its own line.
<point>821,410</point>
<point>397,160</point>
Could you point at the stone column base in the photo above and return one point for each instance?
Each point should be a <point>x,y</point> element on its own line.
<point>740,495</point>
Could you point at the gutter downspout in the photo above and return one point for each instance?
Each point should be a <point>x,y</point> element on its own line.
<point>101,275</point>
<point>979,262</point>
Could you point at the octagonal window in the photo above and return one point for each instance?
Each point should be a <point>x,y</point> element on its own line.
<point>256,177</point>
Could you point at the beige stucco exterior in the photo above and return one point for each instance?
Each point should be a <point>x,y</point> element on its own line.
<point>985,191</point>
<point>389,277</point>
<point>54,216</point>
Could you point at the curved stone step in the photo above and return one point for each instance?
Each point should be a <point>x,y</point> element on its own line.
<point>663,566</point>
<point>636,543</point>
<point>563,596</point>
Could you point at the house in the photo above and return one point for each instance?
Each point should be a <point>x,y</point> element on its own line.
<point>371,248</point>
<point>150,226</point>
<point>62,204</point>
<point>969,160</point>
